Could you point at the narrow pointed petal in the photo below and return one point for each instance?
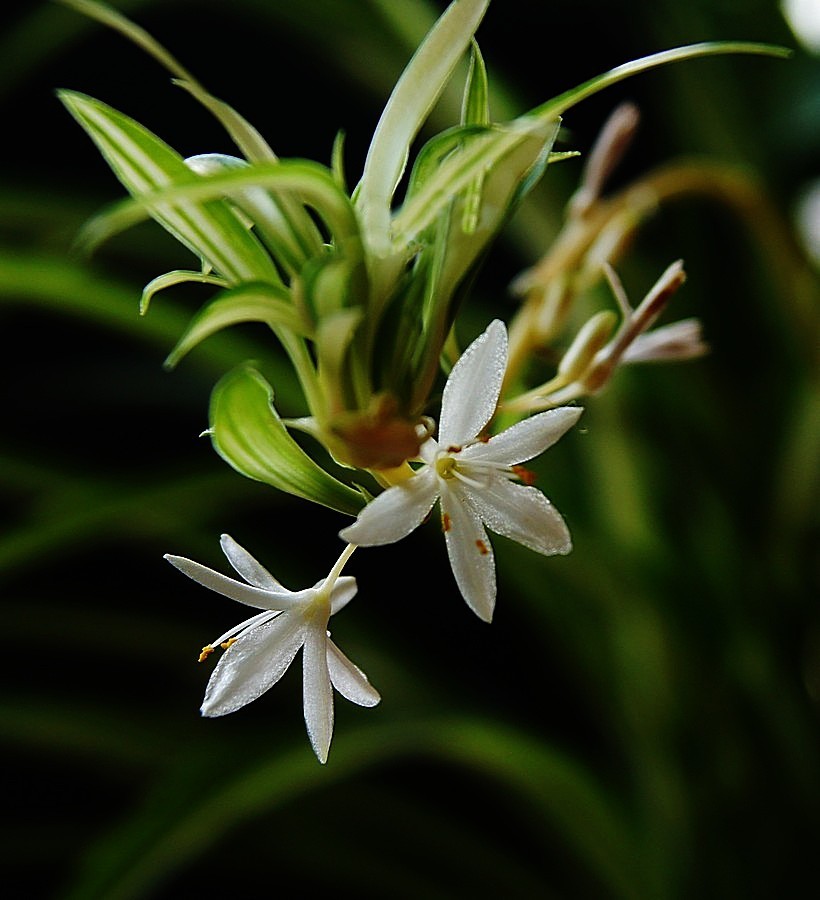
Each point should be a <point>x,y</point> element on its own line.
<point>348,678</point>
<point>252,571</point>
<point>318,693</point>
<point>526,440</point>
<point>242,593</point>
<point>343,592</point>
<point>523,514</point>
<point>472,389</point>
<point>253,664</point>
<point>395,513</point>
<point>471,555</point>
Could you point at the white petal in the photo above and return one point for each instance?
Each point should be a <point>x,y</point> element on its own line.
<point>523,514</point>
<point>471,555</point>
<point>253,664</point>
<point>348,679</point>
<point>252,571</point>
<point>236,590</point>
<point>318,693</point>
<point>471,393</point>
<point>394,513</point>
<point>526,440</point>
<point>343,592</point>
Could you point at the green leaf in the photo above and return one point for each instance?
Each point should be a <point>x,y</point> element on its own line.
<point>475,109</point>
<point>476,157</point>
<point>416,91</point>
<point>246,137</point>
<point>192,811</point>
<point>171,279</point>
<point>249,435</point>
<point>310,182</point>
<point>248,303</point>
<point>560,104</point>
<point>143,163</point>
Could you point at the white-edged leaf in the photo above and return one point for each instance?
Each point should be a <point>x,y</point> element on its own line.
<point>144,164</point>
<point>248,303</point>
<point>171,279</point>
<point>311,182</point>
<point>249,435</point>
<point>479,154</point>
<point>413,97</point>
<point>293,237</point>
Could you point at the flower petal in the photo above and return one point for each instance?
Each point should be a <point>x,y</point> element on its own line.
<point>471,393</point>
<point>252,571</point>
<point>526,439</point>
<point>523,514</point>
<point>471,556</point>
<point>348,679</point>
<point>253,664</point>
<point>394,513</point>
<point>343,592</point>
<point>317,691</point>
<point>236,590</point>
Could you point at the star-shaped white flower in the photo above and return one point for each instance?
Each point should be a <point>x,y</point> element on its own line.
<point>259,650</point>
<point>473,478</point>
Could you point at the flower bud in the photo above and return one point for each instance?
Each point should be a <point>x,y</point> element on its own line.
<point>592,337</point>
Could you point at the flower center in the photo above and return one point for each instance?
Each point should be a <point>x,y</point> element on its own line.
<point>446,467</point>
<point>319,606</point>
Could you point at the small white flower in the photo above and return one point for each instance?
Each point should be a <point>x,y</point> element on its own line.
<point>259,650</point>
<point>473,478</point>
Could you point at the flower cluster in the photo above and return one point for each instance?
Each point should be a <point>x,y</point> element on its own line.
<point>362,295</point>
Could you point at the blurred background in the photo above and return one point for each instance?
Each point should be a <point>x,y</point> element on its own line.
<point>641,719</point>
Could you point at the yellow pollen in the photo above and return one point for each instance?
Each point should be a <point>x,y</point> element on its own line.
<point>228,643</point>
<point>207,650</point>
<point>445,467</point>
<point>482,548</point>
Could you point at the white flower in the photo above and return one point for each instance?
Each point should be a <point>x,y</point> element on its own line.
<point>259,650</point>
<point>473,478</point>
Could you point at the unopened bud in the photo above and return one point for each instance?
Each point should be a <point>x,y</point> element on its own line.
<point>606,153</point>
<point>592,337</point>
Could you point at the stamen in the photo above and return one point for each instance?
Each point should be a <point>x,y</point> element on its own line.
<point>527,476</point>
<point>243,627</point>
<point>482,547</point>
<point>487,465</point>
<point>479,485</point>
<point>225,644</point>
<point>207,650</point>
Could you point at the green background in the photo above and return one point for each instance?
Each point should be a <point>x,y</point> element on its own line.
<point>640,721</point>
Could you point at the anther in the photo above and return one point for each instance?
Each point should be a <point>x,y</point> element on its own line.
<point>227,643</point>
<point>527,476</point>
<point>446,522</point>
<point>207,650</point>
<point>482,547</point>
